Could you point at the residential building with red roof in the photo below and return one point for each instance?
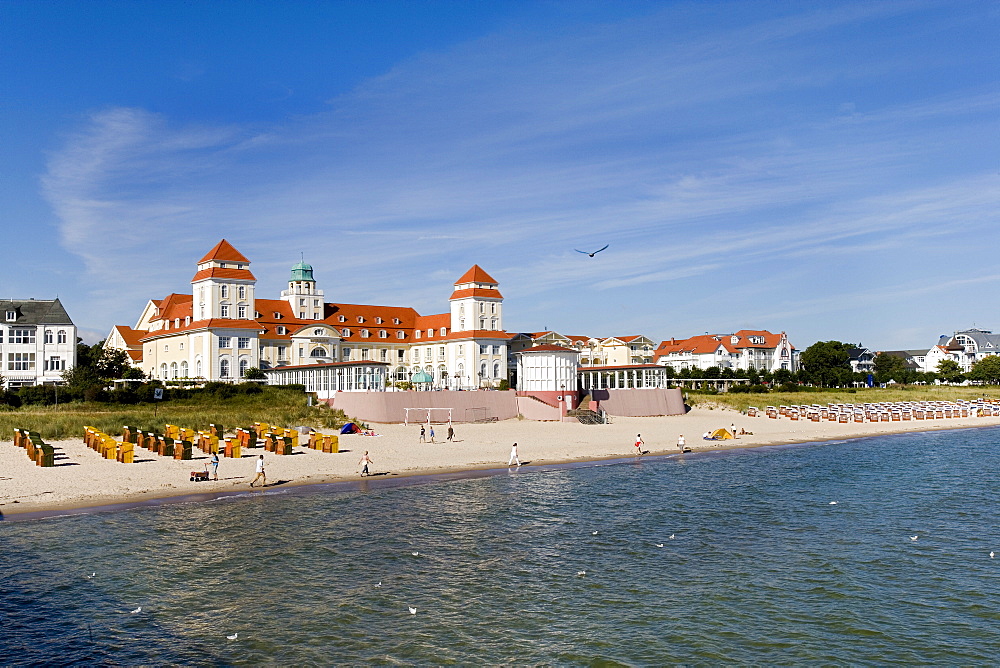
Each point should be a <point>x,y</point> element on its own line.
<point>745,349</point>
<point>222,328</point>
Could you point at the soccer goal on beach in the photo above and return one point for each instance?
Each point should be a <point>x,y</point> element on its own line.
<point>427,415</point>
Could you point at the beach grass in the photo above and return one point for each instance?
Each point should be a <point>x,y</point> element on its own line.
<point>823,396</point>
<point>276,406</point>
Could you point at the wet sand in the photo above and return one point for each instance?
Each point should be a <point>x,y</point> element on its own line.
<point>82,479</point>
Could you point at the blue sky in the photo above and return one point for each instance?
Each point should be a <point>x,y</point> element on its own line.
<point>827,169</point>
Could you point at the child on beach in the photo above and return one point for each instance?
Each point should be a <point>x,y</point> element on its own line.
<point>215,465</point>
<point>365,461</point>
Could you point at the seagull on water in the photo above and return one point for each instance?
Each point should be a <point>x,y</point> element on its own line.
<point>833,503</point>
<point>594,533</point>
<point>591,254</point>
<point>991,555</point>
<point>415,554</point>
<point>379,584</point>
<point>659,545</point>
<point>92,575</point>
<point>581,573</point>
<point>914,537</point>
<point>413,611</point>
<point>139,609</point>
<point>671,536</point>
<point>234,636</point>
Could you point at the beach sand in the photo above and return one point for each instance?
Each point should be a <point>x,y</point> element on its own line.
<point>83,479</point>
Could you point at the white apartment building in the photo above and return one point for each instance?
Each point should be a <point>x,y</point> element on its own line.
<point>37,342</point>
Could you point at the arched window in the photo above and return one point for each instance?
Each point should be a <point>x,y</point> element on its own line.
<point>244,364</point>
<point>482,323</point>
<point>493,324</point>
<point>482,370</point>
<point>173,370</point>
<point>163,370</point>
<point>197,368</point>
<point>224,368</point>
<point>317,332</point>
<point>496,369</point>
<point>318,352</point>
<point>61,336</point>
<point>48,336</point>
<point>184,369</point>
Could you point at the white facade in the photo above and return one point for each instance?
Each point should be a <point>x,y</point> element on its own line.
<point>547,369</point>
<point>37,342</point>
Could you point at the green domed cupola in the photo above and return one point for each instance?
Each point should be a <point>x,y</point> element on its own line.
<point>302,272</point>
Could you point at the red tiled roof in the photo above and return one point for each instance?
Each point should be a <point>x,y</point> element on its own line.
<point>476,274</point>
<point>225,252</point>
<point>129,335</point>
<point>214,323</point>
<point>136,355</point>
<point>476,292</point>
<point>218,272</point>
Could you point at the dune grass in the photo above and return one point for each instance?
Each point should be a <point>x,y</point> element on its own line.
<point>286,408</point>
<point>822,397</point>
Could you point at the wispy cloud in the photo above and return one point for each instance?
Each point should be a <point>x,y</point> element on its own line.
<point>709,157</point>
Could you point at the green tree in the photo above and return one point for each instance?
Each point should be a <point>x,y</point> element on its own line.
<point>826,362</point>
<point>949,371</point>
<point>110,363</point>
<point>253,373</point>
<point>986,370</point>
<point>889,367</point>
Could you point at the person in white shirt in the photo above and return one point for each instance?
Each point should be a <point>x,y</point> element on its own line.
<point>513,456</point>
<point>260,473</point>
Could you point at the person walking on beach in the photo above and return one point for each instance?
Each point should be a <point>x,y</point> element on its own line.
<point>680,443</point>
<point>732,428</point>
<point>423,434</point>
<point>260,473</point>
<point>451,433</point>
<point>513,456</point>
<point>432,433</point>
<point>638,444</point>
<point>365,461</point>
<point>215,465</point>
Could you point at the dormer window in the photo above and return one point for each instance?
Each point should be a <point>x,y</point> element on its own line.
<point>364,333</point>
<point>280,329</point>
<point>346,332</point>
<point>396,321</point>
<point>416,334</point>
<point>360,319</point>
<point>382,334</point>
<point>378,321</point>
<point>277,316</point>
<point>177,322</point>
<point>342,318</point>
<point>444,331</point>
<point>400,334</point>
<point>11,316</point>
<point>187,320</point>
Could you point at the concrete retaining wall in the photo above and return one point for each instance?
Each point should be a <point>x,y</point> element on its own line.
<point>535,409</point>
<point>387,407</point>
<point>640,403</point>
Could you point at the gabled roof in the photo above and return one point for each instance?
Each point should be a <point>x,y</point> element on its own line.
<point>547,348</point>
<point>129,336</point>
<point>476,274</point>
<point>37,311</point>
<point>224,251</point>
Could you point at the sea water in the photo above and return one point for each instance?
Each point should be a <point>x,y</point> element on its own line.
<point>727,557</point>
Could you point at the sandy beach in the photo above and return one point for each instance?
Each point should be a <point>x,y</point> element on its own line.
<point>83,479</point>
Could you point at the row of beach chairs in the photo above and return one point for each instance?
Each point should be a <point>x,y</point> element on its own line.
<point>38,450</point>
<point>109,448</point>
<point>880,412</point>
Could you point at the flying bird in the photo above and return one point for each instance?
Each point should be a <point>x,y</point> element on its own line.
<point>671,536</point>
<point>379,584</point>
<point>590,254</point>
<point>139,609</point>
<point>234,636</point>
<point>413,611</point>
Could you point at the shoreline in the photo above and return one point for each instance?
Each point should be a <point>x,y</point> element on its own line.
<point>28,492</point>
